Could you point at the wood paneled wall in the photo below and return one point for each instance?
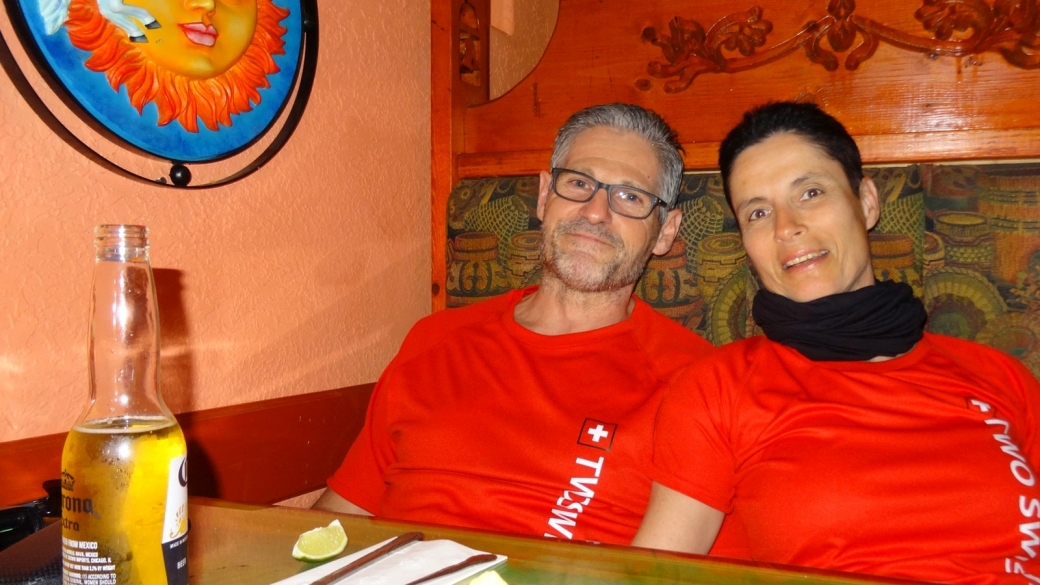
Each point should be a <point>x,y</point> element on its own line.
<point>926,80</point>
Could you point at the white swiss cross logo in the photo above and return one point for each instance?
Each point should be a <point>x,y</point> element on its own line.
<point>597,434</point>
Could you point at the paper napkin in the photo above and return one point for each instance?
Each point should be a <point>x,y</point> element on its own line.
<point>405,564</point>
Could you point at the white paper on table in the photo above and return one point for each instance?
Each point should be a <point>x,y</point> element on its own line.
<point>404,565</point>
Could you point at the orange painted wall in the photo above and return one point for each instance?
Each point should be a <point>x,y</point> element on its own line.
<point>302,277</point>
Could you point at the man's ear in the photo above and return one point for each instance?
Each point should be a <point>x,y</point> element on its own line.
<point>869,201</point>
<point>669,229</point>
<point>544,184</point>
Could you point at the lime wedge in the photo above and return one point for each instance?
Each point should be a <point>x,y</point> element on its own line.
<point>320,544</point>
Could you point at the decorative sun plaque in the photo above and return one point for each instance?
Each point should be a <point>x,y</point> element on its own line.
<point>187,81</point>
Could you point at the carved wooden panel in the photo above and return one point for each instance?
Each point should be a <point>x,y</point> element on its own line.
<point>919,80</point>
<point>956,28</point>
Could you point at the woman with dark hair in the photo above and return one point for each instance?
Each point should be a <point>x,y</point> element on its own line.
<point>847,438</point>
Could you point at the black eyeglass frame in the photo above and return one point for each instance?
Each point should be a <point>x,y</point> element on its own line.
<point>608,188</point>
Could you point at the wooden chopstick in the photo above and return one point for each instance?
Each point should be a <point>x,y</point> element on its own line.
<point>384,550</point>
<point>473,560</point>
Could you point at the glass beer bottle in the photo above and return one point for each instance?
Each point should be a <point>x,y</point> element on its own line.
<point>124,467</point>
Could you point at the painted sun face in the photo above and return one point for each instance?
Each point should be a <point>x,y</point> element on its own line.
<point>198,38</point>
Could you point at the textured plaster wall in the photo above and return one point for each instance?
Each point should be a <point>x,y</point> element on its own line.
<point>302,277</point>
<point>514,56</point>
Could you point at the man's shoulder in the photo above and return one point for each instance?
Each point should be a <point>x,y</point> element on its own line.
<point>736,356</point>
<point>437,327</point>
<point>668,345</point>
<point>661,330</point>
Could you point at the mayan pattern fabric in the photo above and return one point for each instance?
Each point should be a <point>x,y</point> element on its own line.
<point>965,237</point>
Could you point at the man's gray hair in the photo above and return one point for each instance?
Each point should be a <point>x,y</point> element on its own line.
<point>630,118</point>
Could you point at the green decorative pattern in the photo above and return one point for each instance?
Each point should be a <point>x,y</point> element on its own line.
<point>966,237</point>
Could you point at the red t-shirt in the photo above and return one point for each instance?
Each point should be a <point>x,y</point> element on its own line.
<point>921,467</point>
<point>480,422</point>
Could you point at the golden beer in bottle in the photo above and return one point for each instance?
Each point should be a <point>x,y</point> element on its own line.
<point>124,467</point>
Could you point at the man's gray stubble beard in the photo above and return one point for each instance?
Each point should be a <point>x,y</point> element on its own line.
<point>617,274</point>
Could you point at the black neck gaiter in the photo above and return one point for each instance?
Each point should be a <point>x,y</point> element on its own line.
<point>881,320</point>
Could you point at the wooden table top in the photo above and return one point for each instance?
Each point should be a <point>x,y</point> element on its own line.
<point>231,544</point>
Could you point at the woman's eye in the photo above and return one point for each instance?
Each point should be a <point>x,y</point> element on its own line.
<point>811,193</point>
<point>756,214</point>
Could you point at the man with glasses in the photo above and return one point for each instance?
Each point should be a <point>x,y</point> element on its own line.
<point>532,413</point>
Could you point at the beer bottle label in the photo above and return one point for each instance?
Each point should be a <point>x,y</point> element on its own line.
<point>175,526</point>
<point>83,561</point>
<point>82,564</point>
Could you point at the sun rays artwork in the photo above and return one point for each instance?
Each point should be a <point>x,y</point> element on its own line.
<point>185,80</point>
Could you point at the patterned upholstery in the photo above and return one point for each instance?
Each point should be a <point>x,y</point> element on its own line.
<point>965,237</point>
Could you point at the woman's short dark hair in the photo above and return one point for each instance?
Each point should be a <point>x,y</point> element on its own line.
<point>804,119</point>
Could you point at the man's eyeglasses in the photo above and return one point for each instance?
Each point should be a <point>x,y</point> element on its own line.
<point>622,199</point>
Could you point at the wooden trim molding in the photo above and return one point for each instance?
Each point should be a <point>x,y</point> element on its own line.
<point>460,33</point>
<point>503,164</point>
<point>957,145</point>
<point>255,453</point>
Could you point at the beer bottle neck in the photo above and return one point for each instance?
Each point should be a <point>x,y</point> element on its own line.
<point>123,354</point>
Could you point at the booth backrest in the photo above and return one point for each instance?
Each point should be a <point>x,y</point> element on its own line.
<point>965,237</point>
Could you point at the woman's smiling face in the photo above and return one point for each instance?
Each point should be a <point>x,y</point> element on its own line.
<point>804,229</point>
<point>198,38</point>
